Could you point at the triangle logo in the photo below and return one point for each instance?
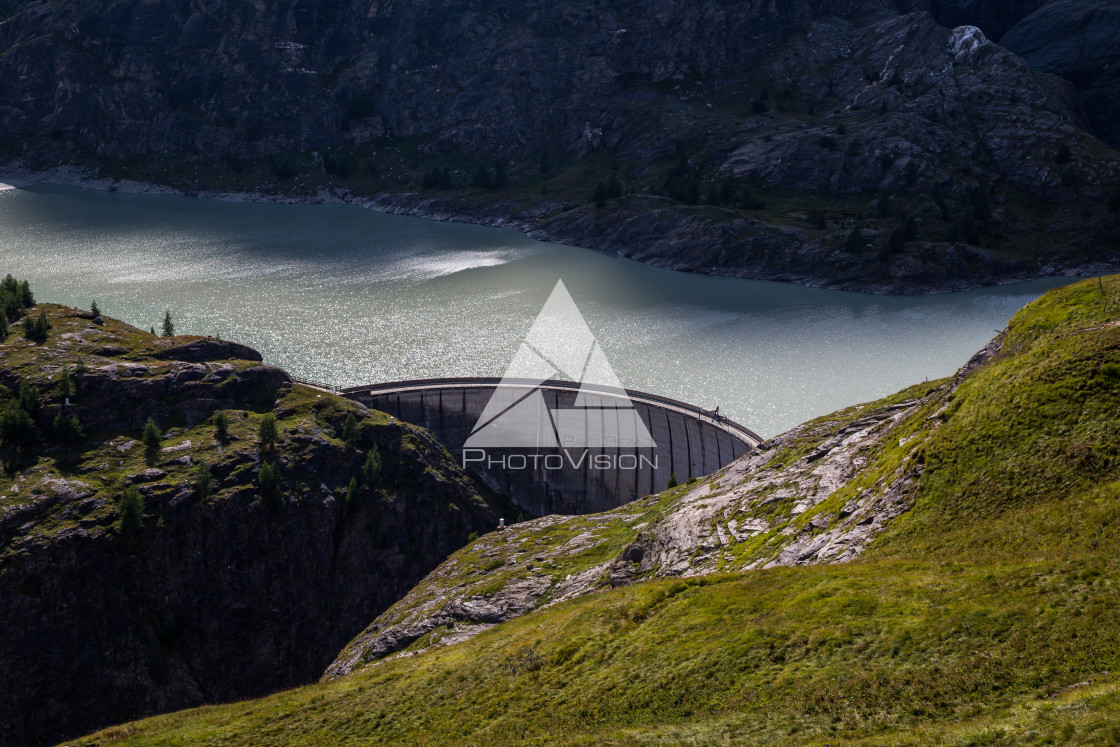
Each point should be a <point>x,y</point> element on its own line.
<point>560,344</point>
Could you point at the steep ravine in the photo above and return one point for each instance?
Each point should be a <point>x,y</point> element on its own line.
<point>223,593</point>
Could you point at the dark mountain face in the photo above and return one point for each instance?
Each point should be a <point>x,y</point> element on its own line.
<point>121,76</point>
<point>820,107</point>
<point>1080,41</point>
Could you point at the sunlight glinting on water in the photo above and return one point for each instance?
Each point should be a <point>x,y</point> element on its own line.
<point>347,296</point>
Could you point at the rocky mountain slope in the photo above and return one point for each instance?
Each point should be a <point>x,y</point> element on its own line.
<point>731,137</point>
<point>218,581</point>
<point>961,587</point>
<point>819,493</point>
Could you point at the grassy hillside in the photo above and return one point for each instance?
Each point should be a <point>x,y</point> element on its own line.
<point>986,614</point>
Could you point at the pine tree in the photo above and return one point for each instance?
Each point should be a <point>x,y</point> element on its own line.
<point>352,493</point>
<point>17,430</point>
<point>727,191</point>
<point>29,398</point>
<point>981,203</point>
<point>168,325</point>
<point>68,430</point>
<point>37,328</point>
<point>350,430</point>
<point>221,427</point>
<point>202,480</point>
<point>65,385</point>
<point>94,310</point>
<point>482,177</point>
<point>897,241</point>
<point>855,242</point>
<point>600,195</point>
<point>371,469</point>
<point>883,207</point>
<point>152,439</point>
<point>270,486</point>
<point>26,299</point>
<point>130,514</point>
<point>911,229</point>
<point>268,433</point>
<point>713,195</point>
<point>3,326</point>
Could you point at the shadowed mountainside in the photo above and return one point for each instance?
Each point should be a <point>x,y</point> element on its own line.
<point>735,137</point>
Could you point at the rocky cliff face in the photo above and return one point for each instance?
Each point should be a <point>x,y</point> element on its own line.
<point>787,120</point>
<point>222,591</point>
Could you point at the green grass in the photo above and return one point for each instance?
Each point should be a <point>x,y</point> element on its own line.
<point>972,621</point>
<point>102,466</point>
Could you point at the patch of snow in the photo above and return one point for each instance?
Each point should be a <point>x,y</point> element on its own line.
<point>966,41</point>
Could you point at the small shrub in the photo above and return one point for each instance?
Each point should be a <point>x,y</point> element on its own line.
<point>672,482</point>
<point>221,427</point>
<point>472,537</point>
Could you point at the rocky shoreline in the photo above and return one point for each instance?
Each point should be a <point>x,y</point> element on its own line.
<point>659,232</point>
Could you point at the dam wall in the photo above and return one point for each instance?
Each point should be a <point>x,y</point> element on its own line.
<point>688,442</point>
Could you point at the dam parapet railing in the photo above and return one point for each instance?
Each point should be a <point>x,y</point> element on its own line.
<point>635,395</point>
<point>687,441</point>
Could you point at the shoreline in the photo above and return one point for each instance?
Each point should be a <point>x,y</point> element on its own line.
<point>534,221</point>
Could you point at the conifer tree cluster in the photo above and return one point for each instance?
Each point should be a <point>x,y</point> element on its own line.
<point>16,301</point>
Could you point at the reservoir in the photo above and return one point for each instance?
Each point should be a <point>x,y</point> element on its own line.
<point>343,295</point>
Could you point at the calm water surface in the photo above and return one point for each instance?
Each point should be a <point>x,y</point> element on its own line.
<point>348,296</point>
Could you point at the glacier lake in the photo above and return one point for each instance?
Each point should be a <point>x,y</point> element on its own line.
<point>343,295</point>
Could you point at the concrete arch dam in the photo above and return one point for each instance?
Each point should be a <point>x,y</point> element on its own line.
<point>687,441</point>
